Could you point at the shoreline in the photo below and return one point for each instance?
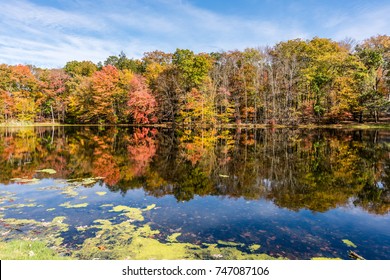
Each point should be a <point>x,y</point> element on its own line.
<point>368,125</point>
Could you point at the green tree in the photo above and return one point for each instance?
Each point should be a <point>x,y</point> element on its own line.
<point>82,68</point>
<point>121,62</point>
<point>193,69</point>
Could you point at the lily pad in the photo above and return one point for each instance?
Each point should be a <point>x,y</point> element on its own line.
<point>89,181</point>
<point>84,181</point>
<point>101,193</point>
<point>25,180</point>
<point>69,205</point>
<point>48,171</point>
<point>69,191</point>
<point>349,243</point>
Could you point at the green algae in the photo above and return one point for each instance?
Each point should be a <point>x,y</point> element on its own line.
<point>254,247</point>
<point>21,205</point>
<point>107,205</point>
<point>69,205</point>
<point>101,193</point>
<point>131,213</point>
<point>173,237</point>
<point>229,243</point>
<point>83,197</point>
<point>7,196</point>
<point>324,259</point>
<point>120,208</point>
<point>69,191</point>
<point>151,249</point>
<point>212,252</point>
<point>125,240</point>
<point>31,230</point>
<point>120,238</point>
<point>50,209</point>
<point>349,243</point>
<point>48,171</point>
<point>150,207</point>
<point>134,214</point>
<point>82,228</point>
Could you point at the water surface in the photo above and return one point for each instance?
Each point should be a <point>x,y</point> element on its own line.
<point>295,194</point>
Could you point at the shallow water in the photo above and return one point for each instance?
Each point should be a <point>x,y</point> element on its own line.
<point>299,194</point>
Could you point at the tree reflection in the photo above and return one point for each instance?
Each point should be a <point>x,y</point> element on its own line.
<point>316,170</point>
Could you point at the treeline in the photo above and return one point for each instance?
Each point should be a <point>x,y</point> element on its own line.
<point>293,82</point>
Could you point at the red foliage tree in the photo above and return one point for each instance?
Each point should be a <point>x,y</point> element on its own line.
<point>142,104</point>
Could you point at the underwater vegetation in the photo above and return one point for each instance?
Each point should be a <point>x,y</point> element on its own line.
<point>125,235</point>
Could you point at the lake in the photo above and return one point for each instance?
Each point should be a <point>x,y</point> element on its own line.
<point>158,193</point>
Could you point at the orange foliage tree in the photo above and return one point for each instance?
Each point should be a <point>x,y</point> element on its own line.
<point>142,104</point>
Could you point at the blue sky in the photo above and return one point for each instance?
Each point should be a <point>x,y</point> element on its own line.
<point>50,33</point>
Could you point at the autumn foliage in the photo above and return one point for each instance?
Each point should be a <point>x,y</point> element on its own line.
<point>293,82</point>
<point>142,104</point>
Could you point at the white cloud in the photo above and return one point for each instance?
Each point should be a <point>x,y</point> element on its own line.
<point>49,37</point>
<point>369,22</point>
<point>45,17</point>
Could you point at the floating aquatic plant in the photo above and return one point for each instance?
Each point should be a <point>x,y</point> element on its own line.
<point>173,237</point>
<point>324,259</point>
<point>254,247</point>
<point>101,193</point>
<point>21,205</point>
<point>48,171</point>
<point>25,180</point>
<point>150,207</point>
<point>107,205</point>
<point>69,205</point>
<point>349,243</point>
<point>229,243</point>
<point>30,230</point>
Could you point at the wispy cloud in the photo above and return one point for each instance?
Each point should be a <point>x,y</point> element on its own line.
<point>367,23</point>
<point>47,35</point>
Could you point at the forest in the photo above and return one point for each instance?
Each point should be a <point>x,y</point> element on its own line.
<point>316,81</point>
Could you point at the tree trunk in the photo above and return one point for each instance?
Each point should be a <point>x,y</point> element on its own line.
<point>52,113</point>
